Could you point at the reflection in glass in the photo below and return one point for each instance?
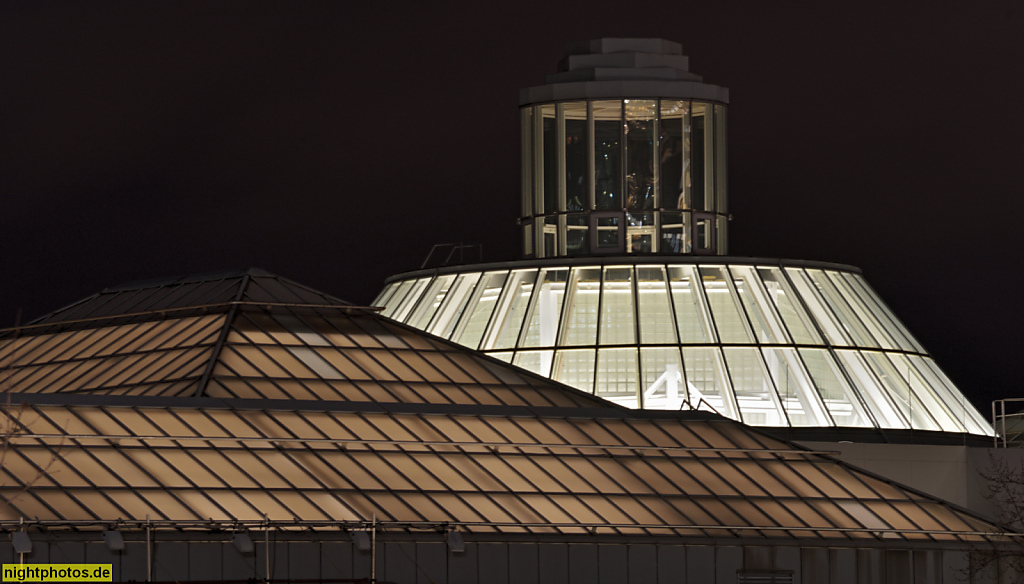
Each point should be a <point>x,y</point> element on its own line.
<point>617,324</point>
<point>640,157</point>
<point>671,155</point>
<point>616,376</point>
<point>577,195</point>
<point>607,156</point>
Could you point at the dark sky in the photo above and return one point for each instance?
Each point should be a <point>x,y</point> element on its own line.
<point>335,142</point>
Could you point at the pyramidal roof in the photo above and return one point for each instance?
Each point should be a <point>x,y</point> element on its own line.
<point>253,335</point>
<point>213,403</point>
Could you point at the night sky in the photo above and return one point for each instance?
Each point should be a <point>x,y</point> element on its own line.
<point>334,142</point>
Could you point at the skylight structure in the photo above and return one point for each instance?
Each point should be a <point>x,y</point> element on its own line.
<point>627,293</point>
<point>249,400</point>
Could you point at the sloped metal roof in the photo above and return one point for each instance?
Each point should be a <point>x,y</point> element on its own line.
<point>327,415</point>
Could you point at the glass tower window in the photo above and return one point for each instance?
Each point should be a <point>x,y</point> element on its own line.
<point>624,176</point>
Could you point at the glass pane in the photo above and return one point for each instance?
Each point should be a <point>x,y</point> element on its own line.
<point>406,306</point>
<point>542,324</point>
<point>867,315</point>
<point>850,322</point>
<point>840,399</point>
<point>707,386</point>
<point>697,166</point>
<point>617,324</point>
<point>729,320</point>
<point>639,151</point>
<point>656,318</point>
<point>758,402</point>
<point>481,305</point>
<point>670,146</point>
<point>673,233</point>
<point>581,307</point>
<point>431,301</point>
<point>385,295</point>
<point>924,393</point>
<point>900,392</point>
<point>868,387</point>
<point>399,296</point>
<point>508,318</point>
<point>970,417</point>
<point>801,402</point>
<point>607,157</point>
<point>537,361</point>
<point>526,159</point>
<point>550,158</point>
<point>692,316</point>
<point>616,376</point>
<point>767,326</point>
<point>577,197</point>
<point>822,315</point>
<point>577,240</point>
<point>721,158</point>
<point>575,368</point>
<point>799,323</point>
<point>454,305</point>
<point>662,377</point>
<point>889,320</point>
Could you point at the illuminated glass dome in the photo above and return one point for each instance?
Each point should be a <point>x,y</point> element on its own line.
<point>627,293</point>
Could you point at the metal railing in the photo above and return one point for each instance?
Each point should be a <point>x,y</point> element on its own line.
<point>1009,427</point>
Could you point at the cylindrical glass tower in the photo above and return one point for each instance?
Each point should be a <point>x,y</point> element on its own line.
<point>623,152</point>
<point>626,291</point>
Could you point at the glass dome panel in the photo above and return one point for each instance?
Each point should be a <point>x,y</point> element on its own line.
<point>654,307</point>
<point>542,324</point>
<point>844,406</point>
<point>725,310</point>
<point>582,299</point>
<point>618,326</point>
<point>771,345</point>
<point>801,327</point>
<point>472,325</point>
